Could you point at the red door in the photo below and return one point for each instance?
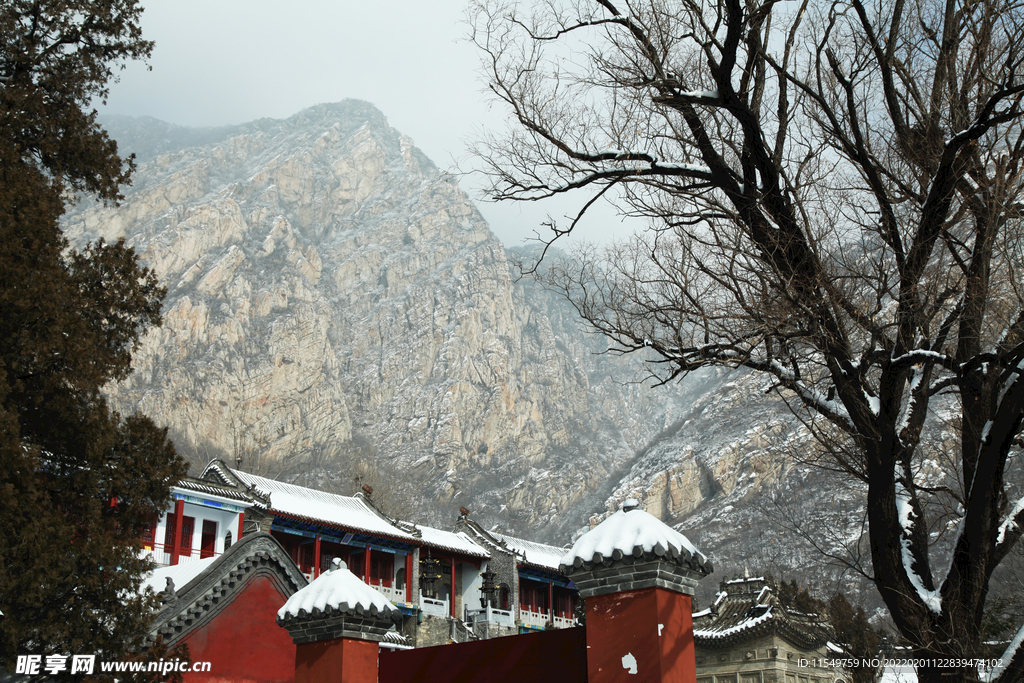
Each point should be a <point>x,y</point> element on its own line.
<point>149,535</point>
<point>169,533</point>
<point>382,568</point>
<point>187,525</point>
<point>208,541</point>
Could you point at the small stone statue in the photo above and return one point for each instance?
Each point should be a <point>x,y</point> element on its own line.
<point>170,597</point>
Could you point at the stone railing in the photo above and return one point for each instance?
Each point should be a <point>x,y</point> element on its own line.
<point>533,619</point>
<point>390,592</point>
<point>492,616</point>
<point>433,606</point>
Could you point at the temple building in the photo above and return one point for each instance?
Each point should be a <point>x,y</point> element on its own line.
<point>205,518</point>
<point>450,586</point>
<point>749,636</point>
<point>532,591</point>
<point>234,547</point>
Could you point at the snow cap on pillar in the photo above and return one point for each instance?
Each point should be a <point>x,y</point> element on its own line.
<point>632,550</point>
<point>337,604</point>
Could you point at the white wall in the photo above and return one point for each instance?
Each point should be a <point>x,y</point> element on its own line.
<point>226,521</point>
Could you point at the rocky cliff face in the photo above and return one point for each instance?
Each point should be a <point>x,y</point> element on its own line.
<point>338,310</point>
<point>335,299</point>
<point>739,474</point>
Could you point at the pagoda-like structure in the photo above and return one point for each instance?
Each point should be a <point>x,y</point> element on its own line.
<point>749,636</point>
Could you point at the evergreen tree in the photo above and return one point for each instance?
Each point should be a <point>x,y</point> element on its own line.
<point>858,639</point>
<point>852,629</point>
<point>78,482</point>
<point>799,599</point>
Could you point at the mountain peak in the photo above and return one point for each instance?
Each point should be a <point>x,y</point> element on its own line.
<point>335,303</point>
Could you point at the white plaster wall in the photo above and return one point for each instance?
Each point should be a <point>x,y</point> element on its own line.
<point>225,519</point>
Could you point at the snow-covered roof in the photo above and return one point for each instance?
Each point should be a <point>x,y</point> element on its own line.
<point>538,554</point>
<point>218,473</point>
<point>395,641</point>
<point>631,531</point>
<point>726,628</point>
<point>749,608</point>
<point>344,511</point>
<point>458,542</point>
<point>211,489</point>
<point>340,590</point>
<point>757,579</point>
<point>180,574</point>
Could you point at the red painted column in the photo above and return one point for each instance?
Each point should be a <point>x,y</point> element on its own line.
<point>340,660</point>
<point>643,636</point>
<point>316,557</point>
<point>366,566</point>
<point>338,641</point>
<point>179,512</point>
<point>639,613</point>
<point>241,520</point>
<point>551,602</point>
<point>451,596</point>
<point>408,577</point>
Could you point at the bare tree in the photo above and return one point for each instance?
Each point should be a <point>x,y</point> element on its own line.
<point>834,196</point>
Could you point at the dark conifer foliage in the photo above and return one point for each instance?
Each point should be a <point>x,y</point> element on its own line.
<point>859,640</point>
<point>798,598</point>
<point>853,631</point>
<point>77,481</point>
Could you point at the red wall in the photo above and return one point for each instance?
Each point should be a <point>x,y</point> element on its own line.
<point>243,642</point>
<point>341,660</point>
<point>652,628</point>
<point>558,655</point>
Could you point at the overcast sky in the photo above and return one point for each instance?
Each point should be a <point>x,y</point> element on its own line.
<point>219,62</point>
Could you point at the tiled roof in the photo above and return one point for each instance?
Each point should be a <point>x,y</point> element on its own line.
<point>397,640</point>
<point>457,542</point>
<point>210,488</point>
<point>634,532</point>
<point>537,554</point>
<point>309,504</point>
<point>336,590</point>
<point>749,608</point>
<point>216,471</point>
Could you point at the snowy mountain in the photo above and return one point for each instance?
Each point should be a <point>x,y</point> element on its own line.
<point>339,312</point>
<point>334,299</point>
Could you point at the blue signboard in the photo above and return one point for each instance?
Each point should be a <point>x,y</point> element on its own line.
<point>228,507</point>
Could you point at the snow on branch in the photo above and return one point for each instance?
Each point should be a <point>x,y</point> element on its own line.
<point>906,514</point>
<point>919,356</point>
<point>1013,650</point>
<point>834,410</point>
<point>1011,521</point>
<point>908,409</point>
<point>1011,379</point>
